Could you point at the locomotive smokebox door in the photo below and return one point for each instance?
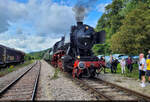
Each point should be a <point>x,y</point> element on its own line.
<point>100,37</point>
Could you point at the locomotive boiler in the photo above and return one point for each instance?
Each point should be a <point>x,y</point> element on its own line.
<point>77,56</point>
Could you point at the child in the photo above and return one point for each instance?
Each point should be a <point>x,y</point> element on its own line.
<point>123,64</point>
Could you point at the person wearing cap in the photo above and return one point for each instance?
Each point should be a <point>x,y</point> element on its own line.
<point>142,68</point>
<point>123,64</point>
<point>148,68</point>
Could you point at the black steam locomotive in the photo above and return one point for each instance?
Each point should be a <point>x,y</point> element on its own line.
<point>10,56</point>
<point>77,56</point>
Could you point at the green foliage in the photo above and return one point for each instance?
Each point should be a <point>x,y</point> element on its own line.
<point>28,57</point>
<point>126,23</point>
<point>37,55</point>
<point>133,36</point>
<point>4,71</point>
<point>110,21</point>
<point>55,76</point>
<point>101,49</point>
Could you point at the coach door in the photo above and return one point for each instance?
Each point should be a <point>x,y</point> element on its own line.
<point>2,50</point>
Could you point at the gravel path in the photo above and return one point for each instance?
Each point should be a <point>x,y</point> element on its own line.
<point>11,76</point>
<point>126,82</point>
<point>60,88</point>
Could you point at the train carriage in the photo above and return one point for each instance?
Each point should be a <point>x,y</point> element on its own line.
<point>1,55</point>
<point>10,56</point>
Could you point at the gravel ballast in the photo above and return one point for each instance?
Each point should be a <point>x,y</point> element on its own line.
<point>60,88</point>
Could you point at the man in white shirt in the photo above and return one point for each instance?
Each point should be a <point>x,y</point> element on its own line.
<point>142,68</point>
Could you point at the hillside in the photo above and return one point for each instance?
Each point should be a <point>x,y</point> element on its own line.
<point>36,55</point>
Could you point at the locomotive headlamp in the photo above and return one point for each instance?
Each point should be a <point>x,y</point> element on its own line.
<point>78,57</point>
<point>86,27</point>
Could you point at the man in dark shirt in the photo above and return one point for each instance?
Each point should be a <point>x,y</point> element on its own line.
<point>111,63</point>
<point>114,64</point>
<point>104,63</point>
<point>129,64</point>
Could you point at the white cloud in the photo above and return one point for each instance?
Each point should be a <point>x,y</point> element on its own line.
<point>10,11</point>
<point>101,7</point>
<point>50,20</point>
<point>46,16</point>
<point>27,43</point>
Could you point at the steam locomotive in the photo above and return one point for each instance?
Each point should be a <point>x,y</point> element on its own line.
<point>10,56</point>
<point>77,56</point>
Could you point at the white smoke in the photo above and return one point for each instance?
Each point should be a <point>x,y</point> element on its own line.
<point>82,8</point>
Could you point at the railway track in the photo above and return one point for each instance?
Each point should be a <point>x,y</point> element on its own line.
<point>8,80</point>
<point>104,90</point>
<point>24,86</point>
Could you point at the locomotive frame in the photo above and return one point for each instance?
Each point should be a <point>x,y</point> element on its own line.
<point>77,56</point>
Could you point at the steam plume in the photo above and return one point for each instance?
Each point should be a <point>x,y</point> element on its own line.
<point>82,8</point>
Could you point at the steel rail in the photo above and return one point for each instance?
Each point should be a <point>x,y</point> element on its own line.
<point>36,84</point>
<point>99,94</point>
<point>129,91</point>
<point>14,81</point>
<point>138,94</point>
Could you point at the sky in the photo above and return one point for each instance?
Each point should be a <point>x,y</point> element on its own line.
<point>34,25</point>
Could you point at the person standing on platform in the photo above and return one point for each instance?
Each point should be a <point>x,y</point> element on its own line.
<point>111,63</point>
<point>129,64</point>
<point>148,68</point>
<point>115,64</point>
<point>123,64</point>
<point>104,63</point>
<point>142,68</point>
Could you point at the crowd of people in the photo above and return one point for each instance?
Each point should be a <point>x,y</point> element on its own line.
<point>124,62</point>
<point>144,66</point>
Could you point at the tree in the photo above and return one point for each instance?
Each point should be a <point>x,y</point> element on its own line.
<point>110,21</point>
<point>133,36</point>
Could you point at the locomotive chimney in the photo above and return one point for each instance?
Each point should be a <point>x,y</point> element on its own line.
<point>79,23</point>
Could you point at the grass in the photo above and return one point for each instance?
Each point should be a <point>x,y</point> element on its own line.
<point>4,71</point>
<point>55,76</point>
<point>134,74</point>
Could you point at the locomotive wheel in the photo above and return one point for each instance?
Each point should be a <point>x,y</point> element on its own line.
<point>79,76</point>
<point>92,73</point>
<point>64,68</point>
